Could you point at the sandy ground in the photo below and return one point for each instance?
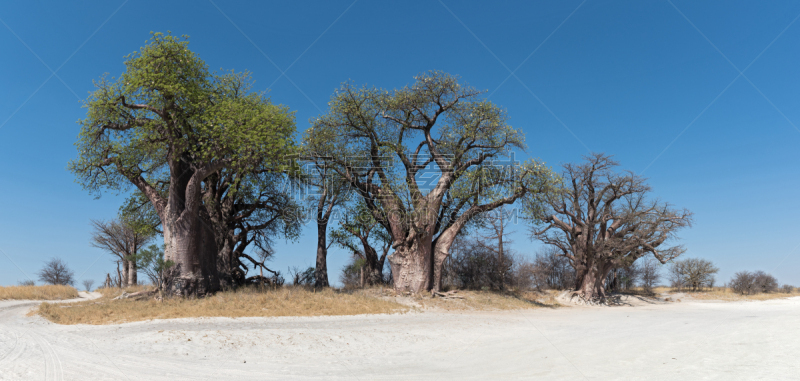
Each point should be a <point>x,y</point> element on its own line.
<point>675,341</point>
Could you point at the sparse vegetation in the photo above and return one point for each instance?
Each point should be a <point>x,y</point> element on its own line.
<point>727,294</point>
<point>87,284</point>
<point>244,302</point>
<point>48,292</point>
<point>490,301</point>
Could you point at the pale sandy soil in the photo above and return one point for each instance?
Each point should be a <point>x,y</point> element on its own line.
<point>690,340</point>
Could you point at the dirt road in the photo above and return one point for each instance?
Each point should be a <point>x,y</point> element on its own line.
<point>678,341</point>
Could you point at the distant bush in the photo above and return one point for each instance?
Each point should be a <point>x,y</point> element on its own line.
<point>787,288</point>
<point>764,282</point>
<point>547,271</point>
<point>747,283</point>
<point>351,273</point>
<point>476,267</point>
<point>26,282</point>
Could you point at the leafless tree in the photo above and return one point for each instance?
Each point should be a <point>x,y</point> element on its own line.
<point>27,282</point>
<point>742,283</point>
<point>603,219</point>
<point>121,239</point>
<point>787,288</point>
<point>87,284</point>
<point>650,274</point>
<point>764,282</point>
<point>550,270</point>
<point>693,273</point>
<point>56,272</point>
<point>495,223</point>
<point>623,278</point>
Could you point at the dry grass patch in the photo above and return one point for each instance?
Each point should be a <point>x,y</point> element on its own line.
<point>250,302</point>
<point>38,292</point>
<point>490,301</point>
<point>726,294</point>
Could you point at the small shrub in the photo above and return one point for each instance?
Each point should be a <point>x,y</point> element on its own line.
<point>547,271</point>
<point>87,284</point>
<point>787,288</point>
<point>351,273</point>
<point>26,282</point>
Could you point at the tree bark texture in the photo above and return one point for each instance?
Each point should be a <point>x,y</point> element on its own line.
<point>321,269</point>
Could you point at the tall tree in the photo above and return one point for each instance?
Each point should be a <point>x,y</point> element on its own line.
<point>123,239</point>
<point>168,117</point>
<point>404,152</point>
<point>324,190</point>
<point>495,223</point>
<point>602,219</point>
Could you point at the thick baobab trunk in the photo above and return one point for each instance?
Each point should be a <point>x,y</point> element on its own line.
<point>591,281</point>
<point>412,266</point>
<point>321,269</point>
<point>123,276</point>
<point>374,266</point>
<point>132,275</point>
<point>441,250</point>
<point>190,245</point>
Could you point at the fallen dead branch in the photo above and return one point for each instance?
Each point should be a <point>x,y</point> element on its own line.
<point>140,294</point>
<point>447,295</point>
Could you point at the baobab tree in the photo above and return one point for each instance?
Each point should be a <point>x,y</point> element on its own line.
<point>603,219</point>
<point>168,118</point>
<point>408,152</point>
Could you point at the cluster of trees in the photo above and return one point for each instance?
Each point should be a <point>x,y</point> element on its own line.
<point>747,283</point>
<point>408,174</point>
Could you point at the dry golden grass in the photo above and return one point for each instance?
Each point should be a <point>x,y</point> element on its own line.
<point>490,301</point>
<point>249,302</point>
<point>38,292</point>
<point>728,295</point>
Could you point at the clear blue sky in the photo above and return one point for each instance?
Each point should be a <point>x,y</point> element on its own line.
<point>702,97</point>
